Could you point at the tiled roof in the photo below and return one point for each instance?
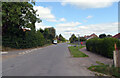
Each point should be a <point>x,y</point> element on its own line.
<point>117,36</point>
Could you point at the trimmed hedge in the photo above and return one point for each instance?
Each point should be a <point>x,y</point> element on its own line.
<point>104,46</point>
<point>30,40</point>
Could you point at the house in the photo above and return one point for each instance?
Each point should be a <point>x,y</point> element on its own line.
<point>91,36</point>
<point>117,36</point>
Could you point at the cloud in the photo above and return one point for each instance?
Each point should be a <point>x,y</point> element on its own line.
<point>41,25</point>
<point>65,28</point>
<point>88,17</point>
<point>99,28</point>
<point>108,28</point>
<point>70,24</point>
<point>45,13</point>
<point>84,4</point>
<point>63,19</point>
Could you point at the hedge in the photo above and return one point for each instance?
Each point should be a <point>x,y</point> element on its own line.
<point>28,41</point>
<point>104,46</point>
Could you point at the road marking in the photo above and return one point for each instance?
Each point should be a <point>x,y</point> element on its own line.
<point>20,53</point>
<point>4,52</point>
<point>29,51</point>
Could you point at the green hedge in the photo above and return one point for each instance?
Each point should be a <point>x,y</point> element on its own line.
<point>103,46</point>
<point>30,40</point>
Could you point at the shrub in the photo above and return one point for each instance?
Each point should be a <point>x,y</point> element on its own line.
<point>104,46</point>
<point>29,40</point>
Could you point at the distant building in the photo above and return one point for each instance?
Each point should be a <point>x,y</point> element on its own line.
<point>91,36</point>
<point>117,36</point>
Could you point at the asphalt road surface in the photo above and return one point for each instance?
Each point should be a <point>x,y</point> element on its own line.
<point>54,60</point>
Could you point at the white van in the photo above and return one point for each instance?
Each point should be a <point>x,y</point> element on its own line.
<point>55,42</point>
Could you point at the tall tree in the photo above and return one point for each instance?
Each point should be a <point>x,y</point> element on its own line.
<point>102,35</point>
<point>46,34</point>
<point>109,35</point>
<point>15,17</point>
<point>51,32</point>
<point>61,38</point>
<point>57,37</point>
<point>73,38</point>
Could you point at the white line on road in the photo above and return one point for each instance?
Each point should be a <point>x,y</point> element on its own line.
<point>28,51</point>
<point>4,52</point>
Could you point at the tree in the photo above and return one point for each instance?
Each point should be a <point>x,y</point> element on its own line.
<point>51,32</point>
<point>57,37</point>
<point>109,35</point>
<point>40,39</point>
<point>102,35</point>
<point>73,38</point>
<point>61,38</point>
<point>15,16</point>
<point>82,39</point>
<point>46,34</point>
<point>41,30</point>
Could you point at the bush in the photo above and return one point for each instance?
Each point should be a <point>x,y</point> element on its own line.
<point>103,46</point>
<point>29,40</point>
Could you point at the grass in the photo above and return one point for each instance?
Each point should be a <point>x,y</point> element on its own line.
<point>75,51</point>
<point>82,47</point>
<point>71,43</point>
<point>105,69</point>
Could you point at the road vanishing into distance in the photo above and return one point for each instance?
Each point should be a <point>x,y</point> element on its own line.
<point>53,60</point>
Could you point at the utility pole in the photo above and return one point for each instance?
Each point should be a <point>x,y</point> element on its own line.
<point>78,40</point>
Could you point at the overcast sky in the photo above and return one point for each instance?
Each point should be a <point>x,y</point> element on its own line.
<point>83,17</point>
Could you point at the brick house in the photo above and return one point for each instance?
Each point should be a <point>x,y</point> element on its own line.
<point>91,36</point>
<point>117,36</point>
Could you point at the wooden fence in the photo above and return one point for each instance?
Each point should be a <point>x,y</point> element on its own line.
<point>117,58</point>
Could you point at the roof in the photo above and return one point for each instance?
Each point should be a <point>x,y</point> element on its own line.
<point>117,36</point>
<point>91,36</point>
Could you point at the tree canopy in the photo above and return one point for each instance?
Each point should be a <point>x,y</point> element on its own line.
<point>73,38</point>
<point>61,38</point>
<point>16,15</point>
<point>102,35</point>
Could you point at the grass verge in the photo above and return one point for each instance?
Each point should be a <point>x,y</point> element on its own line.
<point>105,69</point>
<point>72,43</point>
<point>75,51</point>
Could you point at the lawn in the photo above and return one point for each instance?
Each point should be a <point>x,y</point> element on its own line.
<point>72,44</point>
<point>75,51</point>
<point>105,69</point>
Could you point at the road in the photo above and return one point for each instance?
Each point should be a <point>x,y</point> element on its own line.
<point>53,60</point>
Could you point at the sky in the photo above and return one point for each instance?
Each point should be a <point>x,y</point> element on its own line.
<point>81,18</point>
